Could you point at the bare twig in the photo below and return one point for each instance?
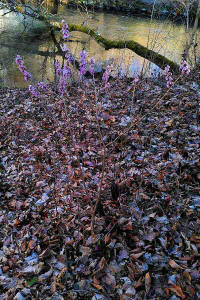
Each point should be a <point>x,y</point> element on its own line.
<point>103,167</point>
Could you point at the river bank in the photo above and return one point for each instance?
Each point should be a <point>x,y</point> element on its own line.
<point>161,8</point>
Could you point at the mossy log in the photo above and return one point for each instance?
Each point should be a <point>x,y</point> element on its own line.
<point>156,58</point>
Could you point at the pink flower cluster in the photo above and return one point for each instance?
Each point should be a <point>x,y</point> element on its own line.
<point>22,68</point>
<point>168,76</point>
<point>185,68</point>
<point>69,57</point>
<point>42,86</point>
<point>83,63</point>
<point>64,73</point>
<point>106,75</point>
<point>92,64</point>
<point>33,91</point>
<point>65,30</point>
<point>27,76</point>
<point>58,68</point>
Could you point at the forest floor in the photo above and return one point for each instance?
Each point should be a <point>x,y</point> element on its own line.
<point>147,242</point>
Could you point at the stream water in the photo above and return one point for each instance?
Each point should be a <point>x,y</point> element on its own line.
<point>17,36</point>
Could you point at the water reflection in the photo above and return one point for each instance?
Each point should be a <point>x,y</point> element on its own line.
<point>17,38</point>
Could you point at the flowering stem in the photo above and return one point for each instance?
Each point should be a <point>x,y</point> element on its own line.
<point>103,165</point>
<point>77,155</point>
<point>133,123</point>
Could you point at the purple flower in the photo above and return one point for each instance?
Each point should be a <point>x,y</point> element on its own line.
<point>42,85</point>
<point>33,91</point>
<point>64,48</point>
<point>27,76</point>
<point>106,75</point>
<point>66,72</point>
<point>83,55</point>
<point>92,64</point>
<point>19,60</point>
<point>22,68</point>
<point>185,68</point>
<point>62,85</point>
<point>83,63</point>
<point>69,57</point>
<point>65,30</point>
<point>168,76</point>
<point>58,68</point>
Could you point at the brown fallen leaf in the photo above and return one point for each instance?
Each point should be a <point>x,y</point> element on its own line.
<point>23,246</point>
<point>147,282</point>
<point>96,284</point>
<point>170,122</point>
<point>195,238</point>
<point>177,290</point>
<point>174,265</point>
<point>95,280</point>
<point>31,244</point>
<point>16,222</point>
<point>107,238</point>
<point>139,283</point>
<point>110,280</point>
<point>187,276</point>
<point>166,291</point>
<point>128,226</point>
<point>102,263</point>
<point>137,255</point>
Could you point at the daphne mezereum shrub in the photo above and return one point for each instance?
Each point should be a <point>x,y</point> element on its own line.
<point>64,73</point>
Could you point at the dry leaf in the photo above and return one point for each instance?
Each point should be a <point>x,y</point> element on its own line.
<point>139,283</point>
<point>195,238</point>
<point>137,255</point>
<point>107,238</point>
<point>174,265</point>
<point>85,250</point>
<point>53,287</point>
<point>31,244</point>
<point>170,122</point>
<point>147,282</point>
<point>102,263</point>
<point>97,286</point>
<point>177,289</point>
<point>23,246</point>
<point>95,280</point>
<point>110,280</point>
<point>166,291</point>
<point>187,276</point>
<point>16,222</point>
<point>128,226</point>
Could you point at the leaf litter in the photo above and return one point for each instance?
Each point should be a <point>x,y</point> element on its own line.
<point>147,235</point>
